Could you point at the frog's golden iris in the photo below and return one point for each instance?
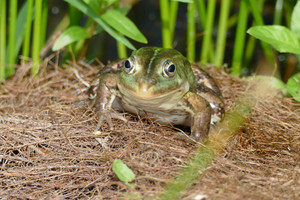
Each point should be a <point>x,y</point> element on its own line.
<point>160,83</point>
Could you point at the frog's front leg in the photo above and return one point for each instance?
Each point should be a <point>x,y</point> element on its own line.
<point>106,94</point>
<point>200,115</point>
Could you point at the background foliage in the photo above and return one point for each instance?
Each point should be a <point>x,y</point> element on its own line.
<point>206,31</point>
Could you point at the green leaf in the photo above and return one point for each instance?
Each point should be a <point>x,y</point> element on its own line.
<point>94,4</point>
<point>70,35</point>
<point>293,86</point>
<point>83,7</point>
<point>122,171</point>
<point>280,37</point>
<point>295,21</point>
<point>123,24</point>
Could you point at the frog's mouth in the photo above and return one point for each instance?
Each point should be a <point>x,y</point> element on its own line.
<point>145,93</point>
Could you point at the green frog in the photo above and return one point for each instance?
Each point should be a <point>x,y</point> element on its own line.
<point>159,83</point>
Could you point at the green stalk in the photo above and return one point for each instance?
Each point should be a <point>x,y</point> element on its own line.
<point>207,39</point>
<point>164,15</point>
<point>222,31</point>
<point>250,47</point>
<point>2,39</point>
<point>173,16</point>
<point>36,38</point>
<point>122,51</point>
<point>259,21</point>
<point>13,7</point>
<point>239,42</point>
<point>26,44</point>
<point>278,12</point>
<point>202,12</point>
<point>191,41</point>
<point>44,23</point>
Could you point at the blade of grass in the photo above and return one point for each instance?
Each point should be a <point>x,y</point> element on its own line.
<point>207,39</point>
<point>44,23</point>
<point>36,38</point>
<point>222,32</point>
<point>13,7</point>
<point>240,38</point>
<point>29,17</point>
<point>2,39</point>
<point>191,32</point>
<point>165,23</point>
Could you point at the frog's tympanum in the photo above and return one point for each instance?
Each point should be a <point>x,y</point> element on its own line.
<point>159,83</point>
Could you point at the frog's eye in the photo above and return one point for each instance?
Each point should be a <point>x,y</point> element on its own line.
<point>128,67</point>
<point>169,70</point>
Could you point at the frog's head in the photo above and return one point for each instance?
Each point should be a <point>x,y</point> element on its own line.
<point>151,72</point>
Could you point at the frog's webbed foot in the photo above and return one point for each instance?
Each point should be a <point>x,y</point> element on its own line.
<point>107,115</point>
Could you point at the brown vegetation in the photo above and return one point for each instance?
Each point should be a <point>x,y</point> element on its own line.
<point>48,151</point>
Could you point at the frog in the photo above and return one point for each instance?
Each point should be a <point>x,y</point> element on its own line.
<point>159,83</point>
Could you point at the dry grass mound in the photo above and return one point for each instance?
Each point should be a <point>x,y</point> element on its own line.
<point>48,151</point>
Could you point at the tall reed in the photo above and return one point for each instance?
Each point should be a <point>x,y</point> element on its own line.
<point>2,39</point>
<point>36,44</point>
<point>13,7</point>
<point>240,38</point>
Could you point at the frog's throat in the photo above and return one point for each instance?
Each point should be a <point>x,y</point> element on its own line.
<point>146,94</point>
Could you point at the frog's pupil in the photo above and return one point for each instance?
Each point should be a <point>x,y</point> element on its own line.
<point>171,68</point>
<point>127,64</point>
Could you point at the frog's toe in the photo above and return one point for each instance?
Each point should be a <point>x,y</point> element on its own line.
<point>107,116</point>
<point>198,136</point>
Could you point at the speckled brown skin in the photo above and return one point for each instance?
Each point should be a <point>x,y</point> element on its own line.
<point>209,90</point>
<point>190,98</point>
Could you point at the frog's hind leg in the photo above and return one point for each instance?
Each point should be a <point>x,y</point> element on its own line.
<point>215,101</point>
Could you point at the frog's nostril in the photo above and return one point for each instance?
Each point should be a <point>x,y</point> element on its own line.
<point>151,81</point>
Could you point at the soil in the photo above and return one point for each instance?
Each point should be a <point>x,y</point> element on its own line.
<point>48,149</point>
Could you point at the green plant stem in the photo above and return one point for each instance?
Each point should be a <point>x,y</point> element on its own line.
<point>13,7</point>
<point>44,23</point>
<point>173,16</point>
<point>202,12</point>
<point>250,47</point>
<point>191,32</point>
<point>122,51</point>
<point>278,12</point>
<point>222,31</point>
<point>2,39</point>
<point>207,39</point>
<point>36,38</point>
<point>259,21</point>
<point>26,44</point>
<point>164,15</point>
<point>239,42</point>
